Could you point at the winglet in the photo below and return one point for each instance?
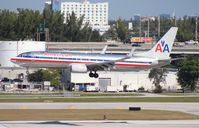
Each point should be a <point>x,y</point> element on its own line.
<point>104,49</point>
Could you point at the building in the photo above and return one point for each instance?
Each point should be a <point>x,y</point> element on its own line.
<point>48,5</point>
<point>147,18</point>
<point>96,14</point>
<point>53,5</point>
<point>137,17</point>
<point>56,5</point>
<point>9,49</point>
<point>130,26</point>
<point>122,81</point>
<point>165,16</point>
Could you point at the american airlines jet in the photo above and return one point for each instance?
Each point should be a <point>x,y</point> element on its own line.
<point>90,62</point>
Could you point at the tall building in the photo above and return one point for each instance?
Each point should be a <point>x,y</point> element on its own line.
<point>137,17</point>
<point>53,5</point>
<point>165,16</point>
<point>96,14</point>
<point>48,5</point>
<point>56,5</point>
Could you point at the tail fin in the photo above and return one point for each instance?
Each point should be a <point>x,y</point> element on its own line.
<point>163,48</point>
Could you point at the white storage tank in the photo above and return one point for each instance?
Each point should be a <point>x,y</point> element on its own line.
<point>9,49</point>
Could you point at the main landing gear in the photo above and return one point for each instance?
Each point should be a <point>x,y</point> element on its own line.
<point>27,71</point>
<point>93,75</point>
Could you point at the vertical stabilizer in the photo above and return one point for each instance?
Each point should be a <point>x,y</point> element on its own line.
<point>163,47</point>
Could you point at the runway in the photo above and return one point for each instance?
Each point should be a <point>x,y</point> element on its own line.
<point>192,108</point>
<point>101,124</point>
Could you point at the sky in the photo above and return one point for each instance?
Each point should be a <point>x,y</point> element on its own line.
<point>124,9</point>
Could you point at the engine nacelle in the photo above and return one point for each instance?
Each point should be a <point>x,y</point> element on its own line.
<point>79,68</point>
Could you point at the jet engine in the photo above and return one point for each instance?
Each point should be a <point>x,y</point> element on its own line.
<point>79,68</point>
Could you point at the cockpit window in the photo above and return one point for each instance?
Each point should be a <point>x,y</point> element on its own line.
<point>26,54</point>
<point>20,55</point>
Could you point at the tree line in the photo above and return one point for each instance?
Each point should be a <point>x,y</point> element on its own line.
<point>119,29</point>
<point>26,24</point>
<point>187,75</point>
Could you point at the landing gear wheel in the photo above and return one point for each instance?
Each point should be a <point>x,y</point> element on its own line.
<point>91,75</point>
<point>27,72</point>
<point>96,75</point>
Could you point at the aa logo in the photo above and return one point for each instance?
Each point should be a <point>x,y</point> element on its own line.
<point>162,47</point>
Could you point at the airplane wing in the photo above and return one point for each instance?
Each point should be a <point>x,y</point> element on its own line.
<point>108,65</point>
<point>105,65</point>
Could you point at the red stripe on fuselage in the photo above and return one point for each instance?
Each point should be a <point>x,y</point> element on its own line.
<point>73,62</point>
<point>51,61</point>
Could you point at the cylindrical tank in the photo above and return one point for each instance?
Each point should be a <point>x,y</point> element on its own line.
<point>9,49</point>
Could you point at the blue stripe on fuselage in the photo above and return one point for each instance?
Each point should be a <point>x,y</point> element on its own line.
<point>82,57</point>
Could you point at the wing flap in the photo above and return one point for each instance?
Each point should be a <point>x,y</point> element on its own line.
<point>105,65</point>
<point>100,66</point>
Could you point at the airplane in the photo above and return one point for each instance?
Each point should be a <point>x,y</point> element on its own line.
<point>93,62</point>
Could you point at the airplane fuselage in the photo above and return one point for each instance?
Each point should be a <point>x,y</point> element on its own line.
<point>65,59</point>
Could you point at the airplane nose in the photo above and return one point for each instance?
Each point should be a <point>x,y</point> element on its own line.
<point>13,60</point>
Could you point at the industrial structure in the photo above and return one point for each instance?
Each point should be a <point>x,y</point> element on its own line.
<point>122,81</point>
<point>9,70</point>
<point>10,49</point>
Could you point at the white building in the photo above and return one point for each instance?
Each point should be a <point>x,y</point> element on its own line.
<point>9,49</point>
<point>118,80</point>
<point>96,14</point>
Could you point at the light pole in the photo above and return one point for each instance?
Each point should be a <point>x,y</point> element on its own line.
<point>148,27</point>
<point>196,36</point>
<point>140,28</point>
<point>158,26</point>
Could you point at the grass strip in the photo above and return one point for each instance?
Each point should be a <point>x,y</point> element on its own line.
<point>36,115</point>
<point>83,94</point>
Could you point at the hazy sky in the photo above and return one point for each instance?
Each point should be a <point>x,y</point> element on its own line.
<point>122,8</point>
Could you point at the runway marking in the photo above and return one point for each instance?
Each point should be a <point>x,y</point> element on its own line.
<point>24,107</point>
<point>3,126</point>
<point>71,107</point>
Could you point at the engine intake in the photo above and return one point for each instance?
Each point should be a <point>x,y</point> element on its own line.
<point>79,68</point>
